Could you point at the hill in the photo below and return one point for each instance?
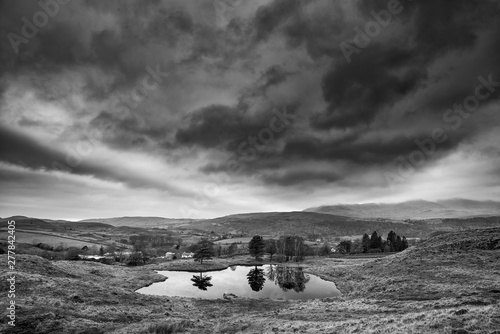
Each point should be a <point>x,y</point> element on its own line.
<point>29,223</point>
<point>306,224</point>
<point>144,222</point>
<point>419,209</point>
<point>321,224</point>
<point>460,257</point>
<point>275,222</point>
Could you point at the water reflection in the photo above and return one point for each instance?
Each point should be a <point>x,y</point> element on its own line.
<point>202,282</point>
<point>256,279</point>
<point>289,278</point>
<point>267,281</point>
<point>271,272</point>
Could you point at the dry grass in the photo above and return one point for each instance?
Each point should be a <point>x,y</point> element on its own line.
<point>168,328</point>
<point>33,237</point>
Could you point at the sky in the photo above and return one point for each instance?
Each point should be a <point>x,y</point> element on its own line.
<point>206,108</point>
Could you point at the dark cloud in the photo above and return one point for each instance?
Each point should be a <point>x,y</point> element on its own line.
<point>313,24</point>
<point>437,26</point>
<point>127,130</point>
<point>119,48</point>
<point>270,17</point>
<point>389,70</point>
<point>442,26</point>
<point>221,126</point>
<point>274,75</point>
<point>291,178</point>
<point>211,126</point>
<point>24,151</point>
<point>357,92</point>
<point>363,151</point>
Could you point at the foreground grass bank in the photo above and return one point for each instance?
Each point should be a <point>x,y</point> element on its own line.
<point>450,282</point>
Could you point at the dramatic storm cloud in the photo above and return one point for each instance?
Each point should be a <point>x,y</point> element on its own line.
<point>205,108</point>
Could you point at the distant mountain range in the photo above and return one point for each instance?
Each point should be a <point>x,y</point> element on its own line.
<point>413,219</point>
<point>419,209</point>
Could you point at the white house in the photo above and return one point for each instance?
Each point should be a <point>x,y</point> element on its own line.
<point>169,255</point>
<point>187,255</point>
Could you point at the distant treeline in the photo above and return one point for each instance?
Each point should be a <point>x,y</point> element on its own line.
<point>374,243</point>
<point>143,241</point>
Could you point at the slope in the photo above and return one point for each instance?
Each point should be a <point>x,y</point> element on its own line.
<point>419,209</point>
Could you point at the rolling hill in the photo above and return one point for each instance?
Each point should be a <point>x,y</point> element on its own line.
<point>419,209</point>
<point>29,223</point>
<point>144,222</point>
<point>313,223</point>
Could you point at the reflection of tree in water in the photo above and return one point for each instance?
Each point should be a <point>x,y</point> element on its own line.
<point>256,279</point>
<point>271,273</point>
<point>289,278</point>
<point>202,282</point>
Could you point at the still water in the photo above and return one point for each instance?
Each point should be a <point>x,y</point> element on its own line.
<point>268,281</point>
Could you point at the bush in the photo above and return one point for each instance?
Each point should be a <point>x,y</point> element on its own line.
<point>72,254</point>
<point>324,250</point>
<point>45,246</point>
<point>59,249</point>
<point>106,261</point>
<point>135,259</point>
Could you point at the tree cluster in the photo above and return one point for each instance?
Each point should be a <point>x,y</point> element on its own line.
<point>344,246</point>
<point>374,243</point>
<point>136,259</point>
<point>152,240</point>
<point>286,248</point>
<point>396,243</point>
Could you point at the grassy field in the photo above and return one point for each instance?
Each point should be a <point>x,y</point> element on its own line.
<point>448,283</point>
<point>34,237</point>
<point>243,240</point>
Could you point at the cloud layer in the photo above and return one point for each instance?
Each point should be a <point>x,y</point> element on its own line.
<point>177,104</point>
